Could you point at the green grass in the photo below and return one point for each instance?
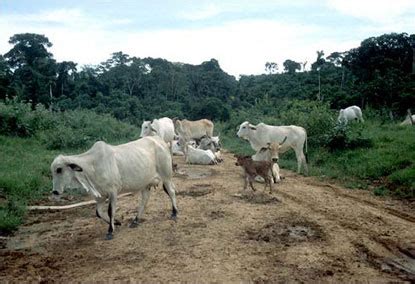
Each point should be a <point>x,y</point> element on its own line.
<point>387,163</point>
<point>24,176</point>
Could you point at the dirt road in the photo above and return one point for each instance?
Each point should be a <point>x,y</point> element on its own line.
<point>306,231</point>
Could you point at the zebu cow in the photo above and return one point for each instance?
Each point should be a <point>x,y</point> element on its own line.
<point>408,121</point>
<point>262,134</point>
<point>162,127</point>
<point>199,156</point>
<point>187,129</point>
<point>106,170</point>
<point>349,114</point>
<point>271,153</point>
<point>253,169</point>
<point>212,144</point>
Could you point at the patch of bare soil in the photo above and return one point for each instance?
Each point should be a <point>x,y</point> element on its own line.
<point>306,231</point>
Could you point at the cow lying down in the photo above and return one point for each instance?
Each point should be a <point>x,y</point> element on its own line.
<point>105,170</point>
<point>199,156</point>
<point>253,169</point>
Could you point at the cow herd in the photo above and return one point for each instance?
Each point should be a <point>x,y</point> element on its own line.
<point>105,170</point>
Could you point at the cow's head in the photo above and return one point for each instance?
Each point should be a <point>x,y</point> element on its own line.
<point>341,118</point>
<point>208,143</point>
<point>64,174</point>
<point>245,130</point>
<point>147,129</point>
<point>69,173</point>
<point>272,150</point>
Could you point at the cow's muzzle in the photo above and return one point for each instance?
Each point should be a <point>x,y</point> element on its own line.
<point>274,160</point>
<point>55,192</point>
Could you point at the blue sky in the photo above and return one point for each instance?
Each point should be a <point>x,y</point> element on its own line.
<point>242,35</point>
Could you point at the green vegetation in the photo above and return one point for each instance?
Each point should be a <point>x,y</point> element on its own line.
<point>48,107</point>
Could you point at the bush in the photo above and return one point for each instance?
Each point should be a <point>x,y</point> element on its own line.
<point>70,129</point>
<point>346,137</point>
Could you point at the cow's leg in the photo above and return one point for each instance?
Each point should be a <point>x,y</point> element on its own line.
<point>111,214</point>
<point>268,181</point>
<point>251,179</point>
<point>100,210</point>
<point>168,188</point>
<point>145,194</point>
<point>276,173</point>
<point>246,178</point>
<point>102,213</point>
<point>301,160</point>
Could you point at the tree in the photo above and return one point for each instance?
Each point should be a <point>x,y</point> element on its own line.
<point>271,67</point>
<point>291,66</point>
<point>34,68</point>
<point>5,77</point>
<point>383,67</point>
<point>319,61</point>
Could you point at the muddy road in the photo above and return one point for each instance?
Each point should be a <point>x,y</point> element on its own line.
<point>306,231</point>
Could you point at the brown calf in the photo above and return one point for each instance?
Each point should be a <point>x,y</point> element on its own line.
<point>253,169</point>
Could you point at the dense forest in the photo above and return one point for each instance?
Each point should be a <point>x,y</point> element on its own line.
<point>379,74</point>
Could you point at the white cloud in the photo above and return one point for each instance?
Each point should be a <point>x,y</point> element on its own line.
<point>207,11</point>
<point>381,11</point>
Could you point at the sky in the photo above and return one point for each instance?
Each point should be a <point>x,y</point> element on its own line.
<point>242,35</point>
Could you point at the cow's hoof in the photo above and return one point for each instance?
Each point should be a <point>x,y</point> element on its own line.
<point>174,218</point>
<point>133,224</point>
<point>109,237</point>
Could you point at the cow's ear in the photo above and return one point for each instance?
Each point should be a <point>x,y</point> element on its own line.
<point>75,167</point>
<point>252,127</point>
<point>263,149</point>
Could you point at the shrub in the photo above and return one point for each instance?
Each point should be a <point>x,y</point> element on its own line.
<point>346,137</point>
<point>70,129</point>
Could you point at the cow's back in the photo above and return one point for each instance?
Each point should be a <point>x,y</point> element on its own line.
<point>296,135</point>
<point>195,129</point>
<point>143,162</point>
<point>165,128</point>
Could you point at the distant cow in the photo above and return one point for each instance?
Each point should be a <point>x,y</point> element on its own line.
<point>162,127</point>
<point>212,144</point>
<point>349,114</point>
<point>271,153</point>
<point>408,121</point>
<point>105,170</point>
<point>262,134</point>
<point>199,156</point>
<point>188,130</point>
<point>253,169</point>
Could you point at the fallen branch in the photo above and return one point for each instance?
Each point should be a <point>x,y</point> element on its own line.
<point>62,207</point>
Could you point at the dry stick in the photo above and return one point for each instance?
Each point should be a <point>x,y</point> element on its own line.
<point>70,205</point>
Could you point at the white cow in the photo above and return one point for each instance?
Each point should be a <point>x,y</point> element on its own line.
<point>349,114</point>
<point>271,153</point>
<point>262,134</point>
<point>199,156</point>
<point>407,121</point>
<point>105,170</point>
<point>188,130</point>
<point>162,127</point>
<point>212,144</point>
